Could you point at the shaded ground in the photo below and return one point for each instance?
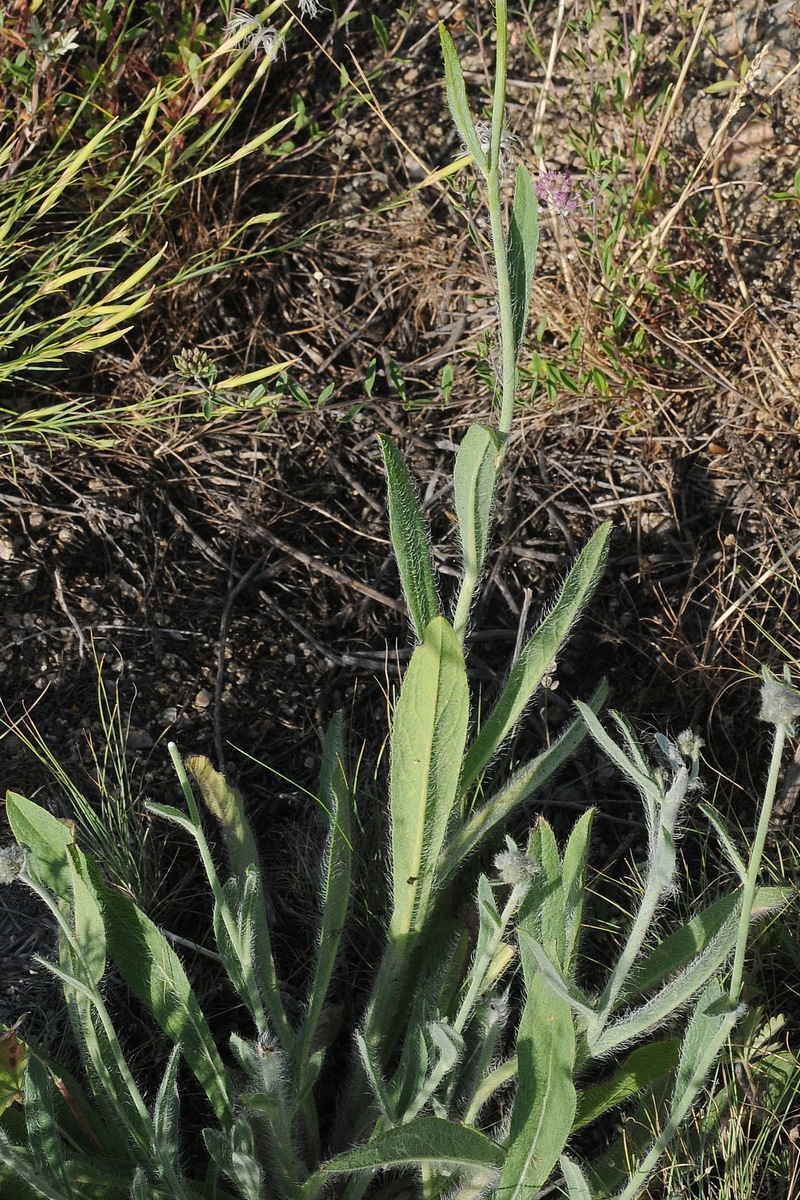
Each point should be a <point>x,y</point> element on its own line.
<point>237,585</point>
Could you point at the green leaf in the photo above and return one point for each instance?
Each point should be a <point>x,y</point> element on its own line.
<point>226,803</point>
<point>673,995</point>
<point>569,994</point>
<point>45,837</point>
<point>424,1141</point>
<point>638,771</point>
<point>13,1063</point>
<point>335,798</point>
<point>255,977</point>
<point>88,924</point>
<point>155,975</point>
<point>546,893</point>
<point>523,241</point>
<point>523,784</point>
<point>640,1068</point>
<point>409,540</point>
<point>544,1105</point>
<point>428,738</point>
<point>457,100</point>
<point>538,653</point>
<point>573,883</point>
<point>577,1184</point>
<point>24,1173</point>
<point>693,938</point>
<point>166,1111</point>
<point>712,1021</point>
<point>43,1137</point>
<point>474,479</point>
<point>728,844</point>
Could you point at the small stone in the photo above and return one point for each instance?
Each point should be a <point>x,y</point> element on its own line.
<point>203,698</point>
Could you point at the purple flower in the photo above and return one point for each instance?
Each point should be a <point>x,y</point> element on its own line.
<point>554,188</point>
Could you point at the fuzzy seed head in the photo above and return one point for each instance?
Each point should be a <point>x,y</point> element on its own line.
<point>514,868</point>
<point>254,34</point>
<point>12,861</point>
<point>780,702</point>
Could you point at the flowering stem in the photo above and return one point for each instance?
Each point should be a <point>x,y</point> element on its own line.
<point>508,379</point>
<point>754,862</point>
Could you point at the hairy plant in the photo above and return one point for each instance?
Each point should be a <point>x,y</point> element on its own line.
<point>479,1051</point>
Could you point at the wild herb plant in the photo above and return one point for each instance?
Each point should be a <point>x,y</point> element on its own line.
<point>479,1052</point>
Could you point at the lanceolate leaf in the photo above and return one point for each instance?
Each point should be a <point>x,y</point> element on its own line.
<point>573,883</point>
<point>425,1140</point>
<point>457,100</point>
<point>673,996</point>
<point>43,1136</point>
<point>474,481</point>
<point>679,949</point>
<point>47,838</point>
<point>523,784</point>
<point>710,1026</point>
<point>577,1184</point>
<point>334,882</point>
<point>523,241</point>
<point>540,650</point>
<point>409,540</point>
<point>544,1105</point>
<point>640,1068</point>
<point>430,729</point>
<point>154,974</point>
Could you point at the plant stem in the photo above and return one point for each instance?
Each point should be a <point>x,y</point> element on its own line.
<point>660,871</point>
<point>754,863</point>
<point>508,380</point>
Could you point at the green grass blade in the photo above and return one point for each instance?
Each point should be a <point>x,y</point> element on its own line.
<point>545,1101</point>
<point>539,651</point>
<point>428,738</point>
<point>523,784</point>
<point>523,242</point>
<point>474,479</point>
<point>409,540</point>
<point>155,975</point>
<point>457,100</point>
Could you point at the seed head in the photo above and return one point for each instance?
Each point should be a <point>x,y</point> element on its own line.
<point>195,364</point>
<point>255,34</point>
<point>514,868</point>
<point>780,702</point>
<point>12,860</point>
